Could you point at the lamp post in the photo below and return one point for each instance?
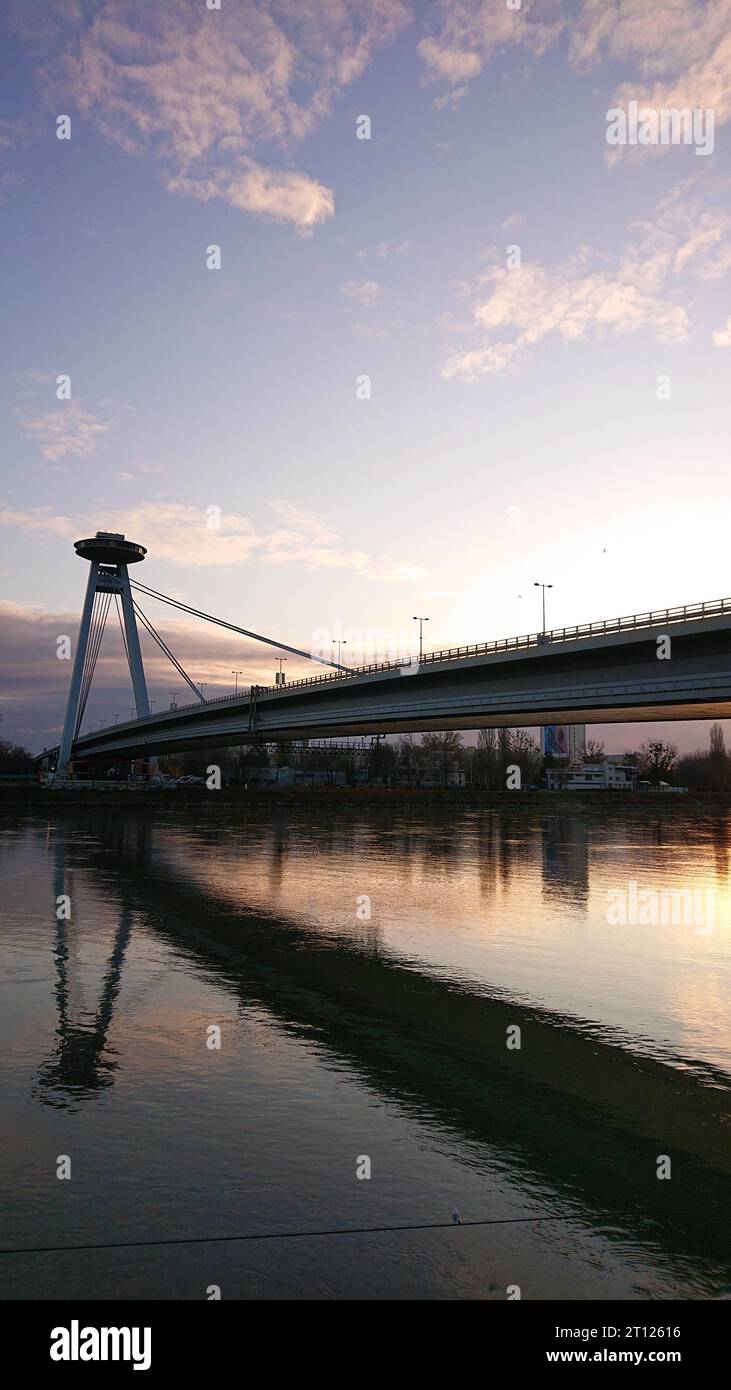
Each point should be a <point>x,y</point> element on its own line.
<point>421,622</point>
<point>537,585</point>
<point>173,701</point>
<point>236,674</point>
<point>342,642</point>
<point>201,686</point>
<point>279,675</point>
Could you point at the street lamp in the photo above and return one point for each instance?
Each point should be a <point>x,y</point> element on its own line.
<point>201,686</point>
<point>236,683</point>
<point>342,642</point>
<point>279,675</point>
<point>173,703</point>
<point>537,585</point>
<point>421,622</point>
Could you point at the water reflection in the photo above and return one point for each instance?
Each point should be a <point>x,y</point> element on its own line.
<point>81,1062</point>
<point>565,846</point>
<point>572,1121</point>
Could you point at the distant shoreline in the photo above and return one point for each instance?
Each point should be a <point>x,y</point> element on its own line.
<point>36,798</point>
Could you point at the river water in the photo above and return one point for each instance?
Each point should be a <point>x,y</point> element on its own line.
<point>372,971</point>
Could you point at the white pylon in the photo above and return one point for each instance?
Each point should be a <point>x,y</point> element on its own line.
<point>109,555</point>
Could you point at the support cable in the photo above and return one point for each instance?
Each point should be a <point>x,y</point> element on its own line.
<point>167,652</point>
<point>92,654</point>
<point>209,618</point>
<point>94,647</point>
<point>83,687</point>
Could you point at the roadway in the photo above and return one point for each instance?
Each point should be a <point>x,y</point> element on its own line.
<point>598,673</point>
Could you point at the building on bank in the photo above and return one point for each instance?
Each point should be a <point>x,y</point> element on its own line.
<point>612,773</point>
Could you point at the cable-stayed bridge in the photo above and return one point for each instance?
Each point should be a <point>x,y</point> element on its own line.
<point>670,664</point>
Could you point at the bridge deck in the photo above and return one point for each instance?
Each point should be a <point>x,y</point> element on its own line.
<point>592,673</point>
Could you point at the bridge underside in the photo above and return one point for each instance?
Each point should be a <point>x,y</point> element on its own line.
<point>596,681</point>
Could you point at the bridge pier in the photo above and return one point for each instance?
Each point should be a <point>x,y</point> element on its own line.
<point>109,555</point>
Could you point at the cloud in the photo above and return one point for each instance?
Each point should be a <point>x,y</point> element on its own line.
<point>280,194</point>
<point>661,38</point>
<point>43,27</point>
<point>190,536</point>
<point>447,61</point>
<point>16,134</point>
<point>472,363</point>
<point>304,537</point>
<point>385,249</point>
<point>722,336</point>
<point>69,429</point>
<point>685,236</point>
<point>514,309</point>
<point>568,303</point>
<point>682,51</point>
<point>40,519</point>
<point>35,682</point>
<point>365,291</point>
<point>472,32</point>
<point>208,91</point>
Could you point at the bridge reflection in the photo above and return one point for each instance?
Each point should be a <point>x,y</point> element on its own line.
<point>568,1114</point>
<point>81,1063</point>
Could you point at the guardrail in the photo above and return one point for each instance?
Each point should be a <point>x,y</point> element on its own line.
<point>660,617</point>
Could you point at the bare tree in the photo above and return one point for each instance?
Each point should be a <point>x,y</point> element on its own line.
<point>13,758</point>
<point>593,751</point>
<point>486,758</point>
<point>526,753</point>
<point>718,757</point>
<point>503,754</point>
<point>406,750</point>
<point>657,760</point>
<point>442,749</point>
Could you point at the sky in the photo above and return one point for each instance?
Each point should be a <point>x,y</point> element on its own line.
<point>457,342</point>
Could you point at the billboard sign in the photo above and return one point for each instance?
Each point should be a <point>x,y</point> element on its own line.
<point>556,741</point>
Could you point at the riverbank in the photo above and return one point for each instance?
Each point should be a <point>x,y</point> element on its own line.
<point>37,797</point>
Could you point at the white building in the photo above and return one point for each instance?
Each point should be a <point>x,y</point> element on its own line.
<point>612,773</point>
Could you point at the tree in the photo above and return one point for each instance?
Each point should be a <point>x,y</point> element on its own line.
<point>485,758</point>
<point>382,761</point>
<point>13,758</point>
<point>694,770</point>
<point>524,751</point>
<point>284,753</point>
<point>441,750</point>
<point>406,754</point>
<point>503,755</point>
<point>656,760</point>
<point>718,757</point>
<point>593,751</point>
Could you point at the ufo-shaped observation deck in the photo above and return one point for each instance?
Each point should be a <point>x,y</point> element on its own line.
<point>107,548</point>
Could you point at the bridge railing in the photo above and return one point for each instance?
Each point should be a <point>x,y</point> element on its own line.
<point>655,618</point>
<point>716,608</point>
